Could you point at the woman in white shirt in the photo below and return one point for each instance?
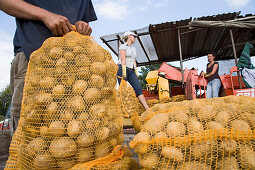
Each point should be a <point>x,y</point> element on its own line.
<point>127,68</point>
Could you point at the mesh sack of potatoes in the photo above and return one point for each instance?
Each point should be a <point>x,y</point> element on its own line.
<point>128,100</point>
<point>69,110</point>
<point>178,98</point>
<point>198,134</point>
<point>152,102</point>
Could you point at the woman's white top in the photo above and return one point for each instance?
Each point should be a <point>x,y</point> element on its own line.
<point>130,55</point>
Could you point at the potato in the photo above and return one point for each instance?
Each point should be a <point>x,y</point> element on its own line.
<point>246,156</point>
<point>57,128</point>
<point>141,137</point>
<point>175,129</point>
<point>66,116</point>
<point>179,116</point>
<point>113,142</point>
<point>102,150</point>
<point>84,116</point>
<point>249,118</point>
<point>55,53</point>
<point>44,131</point>
<point>223,117</point>
<point>194,126</point>
<point>33,116</point>
<point>199,150</point>
<point>83,72</point>
<point>149,161</point>
<point>66,163</point>
<point>62,147</point>
<point>85,140</point>
<point>62,62</point>
<point>102,134</point>
<point>98,68</point>
<point>82,60</point>
<point>111,67</point>
<point>58,91</point>
<point>240,125</point>
<point>99,110</point>
<point>172,153</point>
<point>47,82</point>
<point>156,123</point>
<point>161,135</point>
<point>80,86</point>
<point>69,55</point>
<point>44,161</point>
<point>206,113</point>
<point>43,98</point>
<point>51,112</point>
<point>214,125</point>
<point>77,103</point>
<point>96,81</point>
<point>36,145</point>
<point>228,146</point>
<point>92,95</point>
<point>74,128</point>
<point>229,163</point>
<point>85,154</point>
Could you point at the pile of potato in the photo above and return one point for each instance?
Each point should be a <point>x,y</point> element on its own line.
<point>178,98</point>
<point>128,100</point>
<point>199,134</point>
<point>69,112</point>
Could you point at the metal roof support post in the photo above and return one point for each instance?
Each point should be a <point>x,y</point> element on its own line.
<point>118,49</point>
<point>234,50</point>
<point>180,49</point>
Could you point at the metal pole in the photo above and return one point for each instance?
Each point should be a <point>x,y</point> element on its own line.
<point>234,50</point>
<point>181,64</point>
<point>118,48</point>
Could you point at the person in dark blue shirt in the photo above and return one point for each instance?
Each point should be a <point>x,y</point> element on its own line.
<point>36,21</point>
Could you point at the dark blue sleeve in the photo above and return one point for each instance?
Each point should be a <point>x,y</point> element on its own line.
<point>89,14</point>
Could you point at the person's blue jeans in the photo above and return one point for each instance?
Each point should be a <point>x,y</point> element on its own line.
<point>132,79</point>
<point>213,88</point>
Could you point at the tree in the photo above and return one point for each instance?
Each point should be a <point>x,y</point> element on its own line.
<point>5,100</point>
<point>144,71</point>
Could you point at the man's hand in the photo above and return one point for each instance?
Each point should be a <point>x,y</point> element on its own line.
<point>83,28</point>
<point>58,24</point>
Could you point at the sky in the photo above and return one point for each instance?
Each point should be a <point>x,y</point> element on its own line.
<point>123,15</point>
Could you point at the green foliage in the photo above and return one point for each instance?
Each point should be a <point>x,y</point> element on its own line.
<point>5,100</point>
<point>1,117</point>
<point>144,71</point>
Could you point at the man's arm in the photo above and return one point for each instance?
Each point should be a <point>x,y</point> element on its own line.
<point>59,25</point>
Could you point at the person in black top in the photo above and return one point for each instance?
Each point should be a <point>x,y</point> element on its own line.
<point>212,77</point>
<point>37,20</point>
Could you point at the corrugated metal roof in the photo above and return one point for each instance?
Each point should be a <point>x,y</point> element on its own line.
<point>159,42</point>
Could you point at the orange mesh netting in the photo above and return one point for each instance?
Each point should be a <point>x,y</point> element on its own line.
<point>69,110</point>
<point>214,133</point>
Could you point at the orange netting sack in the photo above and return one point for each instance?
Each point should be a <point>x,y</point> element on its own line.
<point>69,111</point>
<point>214,133</point>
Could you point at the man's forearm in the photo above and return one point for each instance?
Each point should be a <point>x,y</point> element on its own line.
<point>22,9</point>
